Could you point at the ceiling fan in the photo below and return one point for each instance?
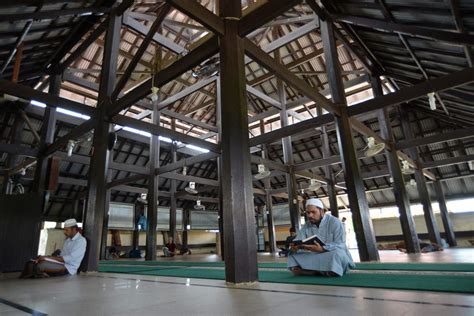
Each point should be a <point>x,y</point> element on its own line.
<point>199,206</point>
<point>373,149</point>
<point>406,168</point>
<point>263,172</point>
<point>314,185</point>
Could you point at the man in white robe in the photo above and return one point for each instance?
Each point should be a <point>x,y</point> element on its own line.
<point>332,259</point>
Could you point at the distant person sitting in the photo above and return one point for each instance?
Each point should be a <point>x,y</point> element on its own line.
<point>424,247</point>
<point>184,250</point>
<point>170,248</point>
<point>67,262</point>
<point>401,246</point>
<point>284,251</point>
<point>112,254</point>
<point>430,247</point>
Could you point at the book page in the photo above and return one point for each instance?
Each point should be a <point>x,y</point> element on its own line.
<point>53,261</point>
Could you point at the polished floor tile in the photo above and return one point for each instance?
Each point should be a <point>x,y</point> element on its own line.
<point>124,294</point>
<point>120,294</point>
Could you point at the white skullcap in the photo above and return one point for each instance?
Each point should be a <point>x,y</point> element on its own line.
<point>70,223</point>
<point>315,202</point>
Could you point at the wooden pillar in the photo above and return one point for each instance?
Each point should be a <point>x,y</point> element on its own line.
<point>268,200</point>
<point>97,200</point>
<point>237,189</point>
<point>137,208</point>
<point>443,210</point>
<point>271,225</point>
<point>173,194</point>
<point>16,66</point>
<point>220,211</point>
<point>291,185</point>
<point>186,214</point>
<point>220,216</point>
<point>153,184</point>
<point>75,211</point>
<point>13,159</point>
<point>105,224</point>
<point>399,190</point>
<point>47,136</point>
<point>331,188</point>
<point>18,124</point>
<point>423,193</point>
<point>355,186</point>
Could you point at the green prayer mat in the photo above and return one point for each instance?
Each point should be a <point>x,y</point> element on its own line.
<point>445,267</point>
<point>401,281</point>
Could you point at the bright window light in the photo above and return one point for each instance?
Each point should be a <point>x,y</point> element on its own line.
<point>72,113</point>
<point>165,139</point>
<point>461,206</point>
<point>61,110</point>
<point>136,131</point>
<point>117,127</point>
<point>197,148</point>
<point>38,104</point>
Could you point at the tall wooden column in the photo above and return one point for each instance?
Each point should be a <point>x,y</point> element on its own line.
<point>268,200</point>
<point>97,200</point>
<point>47,136</point>
<point>270,224</point>
<point>443,210</point>
<point>220,215</point>
<point>220,211</point>
<point>173,195</point>
<point>399,190</point>
<point>136,233</point>
<point>15,139</point>
<point>423,193</point>
<point>355,187</point>
<point>185,227</point>
<point>331,188</point>
<point>153,184</point>
<point>291,185</point>
<point>105,224</point>
<point>237,189</point>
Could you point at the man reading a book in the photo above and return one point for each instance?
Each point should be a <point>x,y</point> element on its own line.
<point>67,262</point>
<point>320,246</point>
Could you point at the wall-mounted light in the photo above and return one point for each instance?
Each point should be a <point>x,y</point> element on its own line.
<point>432,101</point>
<point>154,94</point>
<point>70,147</point>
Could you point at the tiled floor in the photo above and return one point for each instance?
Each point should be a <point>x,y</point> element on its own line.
<point>120,294</point>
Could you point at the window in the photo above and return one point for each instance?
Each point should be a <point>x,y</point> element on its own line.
<point>121,215</point>
<point>204,220</point>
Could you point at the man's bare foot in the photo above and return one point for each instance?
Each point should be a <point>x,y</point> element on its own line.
<point>299,271</point>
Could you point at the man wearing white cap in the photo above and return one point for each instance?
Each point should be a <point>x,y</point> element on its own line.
<point>331,258</point>
<point>67,262</point>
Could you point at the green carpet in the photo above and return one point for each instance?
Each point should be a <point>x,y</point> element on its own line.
<point>447,267</point>
<point>423,282</point>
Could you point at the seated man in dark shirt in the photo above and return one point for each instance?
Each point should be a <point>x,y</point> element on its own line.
<point>184,250</point>
<point>289,240</point>
<point>170,248</point>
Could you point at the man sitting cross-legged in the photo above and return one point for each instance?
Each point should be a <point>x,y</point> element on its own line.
<point>67,262</point>
<point>332,258</point>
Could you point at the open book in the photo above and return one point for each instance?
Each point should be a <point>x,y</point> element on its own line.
<point>50,260</point>
<point>309,241</point>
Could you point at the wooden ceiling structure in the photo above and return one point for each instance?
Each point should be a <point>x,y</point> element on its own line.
<point>297,86</point>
